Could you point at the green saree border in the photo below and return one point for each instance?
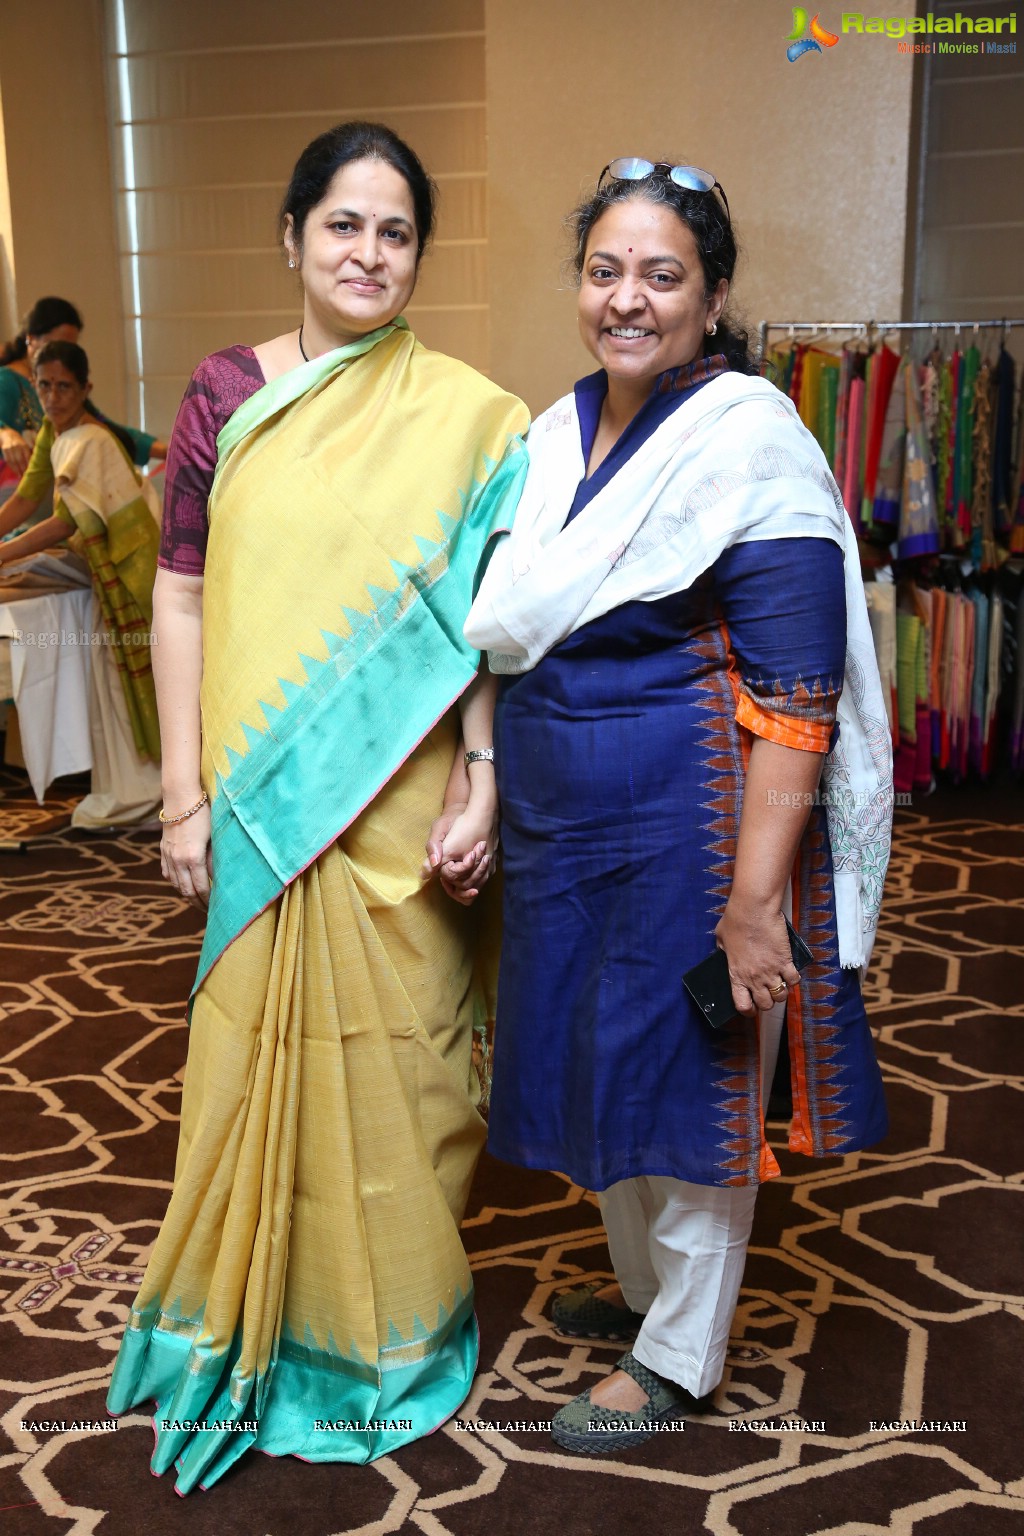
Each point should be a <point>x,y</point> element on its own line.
<point>213,1417</point>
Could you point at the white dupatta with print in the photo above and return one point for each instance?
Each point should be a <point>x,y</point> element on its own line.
<point>731,465</point>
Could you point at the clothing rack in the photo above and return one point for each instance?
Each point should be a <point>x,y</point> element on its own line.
<point>948,632</point>
<point>871,328</point>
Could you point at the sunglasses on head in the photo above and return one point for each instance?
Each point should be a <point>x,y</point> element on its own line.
<point>632,168</point>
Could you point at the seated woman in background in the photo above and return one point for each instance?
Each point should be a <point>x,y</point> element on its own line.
<point>114,511</point>
<point>22,415</point>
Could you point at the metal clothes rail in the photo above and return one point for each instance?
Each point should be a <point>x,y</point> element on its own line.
<point>878,328</point>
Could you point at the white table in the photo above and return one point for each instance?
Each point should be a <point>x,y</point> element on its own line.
<point>45,657</point>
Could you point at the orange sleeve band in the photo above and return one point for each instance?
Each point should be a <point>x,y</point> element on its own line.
<point>786,730</point>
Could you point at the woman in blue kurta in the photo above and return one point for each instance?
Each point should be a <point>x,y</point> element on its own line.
<point>679,616</point>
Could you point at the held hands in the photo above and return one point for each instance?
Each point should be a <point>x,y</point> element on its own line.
<point>186,859</point>
<point>756,946</point>
<point>462,850</point>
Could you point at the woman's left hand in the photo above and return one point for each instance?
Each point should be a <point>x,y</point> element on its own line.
<point>756,944</point>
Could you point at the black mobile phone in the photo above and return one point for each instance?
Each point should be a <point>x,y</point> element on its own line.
<point>709,985</point>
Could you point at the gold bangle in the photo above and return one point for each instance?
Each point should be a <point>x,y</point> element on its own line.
<point>170,821</point>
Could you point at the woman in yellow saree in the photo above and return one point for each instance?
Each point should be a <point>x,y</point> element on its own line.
<point>113,516</point>
<point>308,1292</point>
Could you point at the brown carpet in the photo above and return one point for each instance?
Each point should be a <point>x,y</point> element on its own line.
<point>884,1287</point>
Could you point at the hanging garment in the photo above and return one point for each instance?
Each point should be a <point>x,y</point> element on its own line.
<point>947,676</point>
<point>796,374</point>
<point>889,465</point>
<point>983,548</point>
<point>1016,540</point>
<point>884,369</point>
<point>825,431</point>
<point>928,381</point>
<point>919,525</point>
<point>989,718</point>
<point>979,677</point>
<point>908,643</point>
<point>922,718</point>
<point>939,600</point>
<point>964,460</point>
<point>1002,448</point>
<point>881,601</point>
<point>1012,578</point>
<point>854,429</point>
<point>846,373</point>
<point>965,682</point>
<point>941,451</point>
<point>953,385</point>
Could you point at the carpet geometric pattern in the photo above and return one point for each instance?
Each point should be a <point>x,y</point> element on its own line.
<point>882,1291</point>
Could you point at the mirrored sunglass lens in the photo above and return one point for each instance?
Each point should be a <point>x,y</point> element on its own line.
<point>630,169</point>
<point>694,178</point>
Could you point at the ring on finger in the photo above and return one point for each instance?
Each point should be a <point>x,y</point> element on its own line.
<point>779,990</point>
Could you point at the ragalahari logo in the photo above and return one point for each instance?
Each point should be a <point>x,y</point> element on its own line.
<point>799,44</point>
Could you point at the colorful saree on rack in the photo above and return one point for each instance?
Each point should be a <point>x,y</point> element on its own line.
<point>308,1293</point>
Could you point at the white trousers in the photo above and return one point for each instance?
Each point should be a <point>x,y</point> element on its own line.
<point>679,1249</point>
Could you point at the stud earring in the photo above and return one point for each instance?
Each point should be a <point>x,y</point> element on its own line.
<point>713,328</point>
<point>291,263</point>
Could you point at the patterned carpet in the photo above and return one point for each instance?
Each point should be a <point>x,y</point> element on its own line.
<point>883,1290</point>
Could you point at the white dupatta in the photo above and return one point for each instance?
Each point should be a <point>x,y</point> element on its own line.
<point>732,464</point>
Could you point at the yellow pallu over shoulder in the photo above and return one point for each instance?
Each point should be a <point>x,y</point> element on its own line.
<point>309,1268</point>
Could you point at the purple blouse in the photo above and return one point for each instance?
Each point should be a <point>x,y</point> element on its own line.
<point>221,383</point>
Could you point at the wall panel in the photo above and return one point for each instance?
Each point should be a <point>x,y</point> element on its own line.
<point>813,156</point>
<point>195,25</point>
<point>261,151</point>
<point>334,78</point>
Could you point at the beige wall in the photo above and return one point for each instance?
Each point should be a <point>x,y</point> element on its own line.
<point>59,174</point>
<point>813,156</point>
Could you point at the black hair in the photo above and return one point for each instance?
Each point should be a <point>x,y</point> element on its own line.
<point>712,231</point>
<point>45,315</point>
<point>14,350</point>
<point>69,354</point>
<point>321,160</point>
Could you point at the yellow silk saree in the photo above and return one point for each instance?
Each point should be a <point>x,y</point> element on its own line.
<point>308,1292</point>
